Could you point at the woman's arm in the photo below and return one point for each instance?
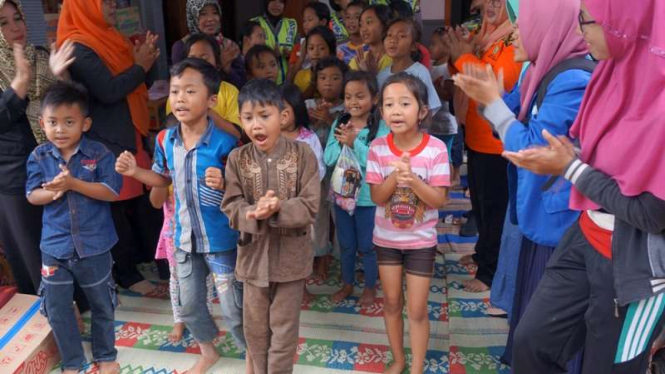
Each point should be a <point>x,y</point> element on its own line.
<point>12,108</point>
<point>646,212</point>
<point>90,70</point>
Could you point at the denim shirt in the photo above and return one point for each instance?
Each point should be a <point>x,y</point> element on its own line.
<point>75,224</point>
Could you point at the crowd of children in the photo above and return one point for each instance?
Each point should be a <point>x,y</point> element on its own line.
<point>291,148</point>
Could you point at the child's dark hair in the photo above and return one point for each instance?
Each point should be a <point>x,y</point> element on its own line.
<point>292,96</point>
<point>335,6</point>
<point>255,52</point>
<point>211,77</point>
<point>261,91</point>
<point>65,93</point>
<point>270,1</point>
<point>382,13</point>
<point>415,33</point>
<point>328,62</point>
<point>327,35</point>
<point>247,30</point>
<point>322,11</point>
<point>357,3</point>
<point>370,81</point>
<point>401,9</point>
<point>201,37</point>
<point>413,84</point>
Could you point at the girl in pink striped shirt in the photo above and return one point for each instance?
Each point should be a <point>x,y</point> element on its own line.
<point>408,173</point>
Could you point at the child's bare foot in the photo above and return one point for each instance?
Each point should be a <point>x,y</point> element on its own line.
<point>111,367</point>
<point>308,297</point>
<point>177,332</point>
<point>208,359</point>
<point>70,371</point>
<point>475,286</point>
<point>466,260</point>
<point>249,364</point>
<point>367,298</point>
<point>143,287</point>
<point>397,367</point>
<point>322,267</point>
<point>342,294</point>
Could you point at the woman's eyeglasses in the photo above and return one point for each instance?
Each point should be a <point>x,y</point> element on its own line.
<point>583,23</point>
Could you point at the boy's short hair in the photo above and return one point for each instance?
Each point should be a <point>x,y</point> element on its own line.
<point>201,37</point>
<point>247,29</point>
<point>330,61</point>
<point>211,77</point>
<point>65,93</point>
<point>263,92</point>
<point>255,52</point>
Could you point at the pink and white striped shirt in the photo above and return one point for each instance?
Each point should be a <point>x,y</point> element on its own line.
<point>406,222</point>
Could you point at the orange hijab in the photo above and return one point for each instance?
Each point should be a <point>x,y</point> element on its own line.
<point>82,21</point>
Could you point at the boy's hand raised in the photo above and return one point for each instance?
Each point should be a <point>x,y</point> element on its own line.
<point>126,164</point>
<point>214,179</point>
<point>265,207</point>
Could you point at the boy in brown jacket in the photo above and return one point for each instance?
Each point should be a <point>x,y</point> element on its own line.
<point>272,197</point>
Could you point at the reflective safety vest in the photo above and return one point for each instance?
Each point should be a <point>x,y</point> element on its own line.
<point>338,28</point>
<point>285,35</point>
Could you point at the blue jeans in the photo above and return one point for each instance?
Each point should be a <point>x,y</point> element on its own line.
<point>93,274</point>
<point>192,270</point>
<point>354,233</point>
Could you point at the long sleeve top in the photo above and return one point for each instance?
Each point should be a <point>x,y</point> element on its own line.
<point>277,249</point>
<point>16,142</point>
<point>111,119</point>
<point>543,216</point>
<point>500,55</point>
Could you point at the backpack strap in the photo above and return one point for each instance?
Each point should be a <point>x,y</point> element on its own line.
<point>577,63</point>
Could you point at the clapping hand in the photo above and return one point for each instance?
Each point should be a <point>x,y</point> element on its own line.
<point>403,169</point>
<point>60,184</point>
<point>265,207</point>
<point>321,114</point>
<point>457,44</point>
<point>214,178</point>
<point>346,134</point>
<point>61,58</point>
<point>228,55</point>
<point>480,83</point>
<point>126,164</point>
<point>147,53</point>
<point>21,81</point>
<point>552,159</point>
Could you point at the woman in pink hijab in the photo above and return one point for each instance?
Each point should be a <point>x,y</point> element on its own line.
<point>604,287</point>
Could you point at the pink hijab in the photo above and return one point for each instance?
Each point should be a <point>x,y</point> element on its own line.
<point>621,124</point>
<point>547,40</point>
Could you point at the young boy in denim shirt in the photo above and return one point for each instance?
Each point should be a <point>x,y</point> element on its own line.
<point>74,179</point>
<point>192,156</point>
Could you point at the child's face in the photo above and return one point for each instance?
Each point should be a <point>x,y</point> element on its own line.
<point>210,20</point>
<point>317,49</point>
<point>352,19</point>
<point>290,123</point>
<point>276,8</point>
<point>436,48</point>
<point>399,40</point>
<point>262,124</point>
<point>64,125</point>
<point>264,66</point>
<point>371,29</point>
<point>189,97</point>
<point>310,20</point>
<point>257,37</point>
<point>358,99</point>
<point>401,109</point>
<point>204,51</point>
<point>329,83</point>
